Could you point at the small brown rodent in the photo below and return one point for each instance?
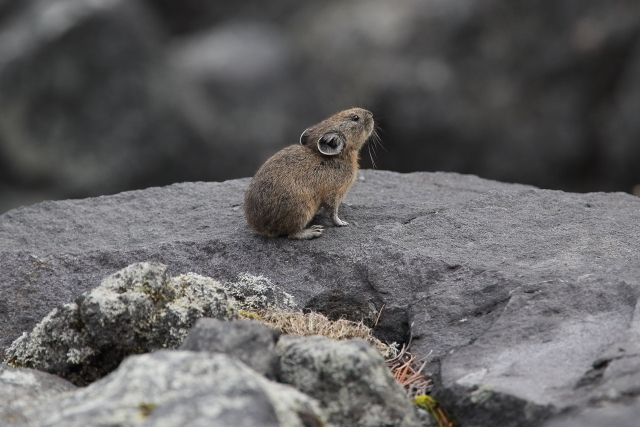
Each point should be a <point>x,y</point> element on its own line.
<point>298,180</point>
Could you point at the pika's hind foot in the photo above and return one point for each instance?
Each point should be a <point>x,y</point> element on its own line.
<point>308,233</point>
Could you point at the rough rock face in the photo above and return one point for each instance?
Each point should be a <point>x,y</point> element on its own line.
<point>177,388</point>
<point>521,298</point>
<point>135,310</point>
<point>350,380</point>
<point>22,389</point>
<point>245,340</point>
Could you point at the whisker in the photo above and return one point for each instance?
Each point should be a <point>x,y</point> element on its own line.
<point>373,163</point>
<point>378,128</point>
<point>376,138</point>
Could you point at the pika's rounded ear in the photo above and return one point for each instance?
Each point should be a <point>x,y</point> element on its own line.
<point>331,143</point>
<point>305,136</point>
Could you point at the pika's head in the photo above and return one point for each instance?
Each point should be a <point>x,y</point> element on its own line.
<point>345,131</point>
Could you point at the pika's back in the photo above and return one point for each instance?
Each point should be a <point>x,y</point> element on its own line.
<point>294,183</point>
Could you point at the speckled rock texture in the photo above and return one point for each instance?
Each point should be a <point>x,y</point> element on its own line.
<point>135,310</point>
<point>520,298</point>
<point>244,340</point>
<point>349,378</point>
<point>179,388</point>
<point>258,293</point>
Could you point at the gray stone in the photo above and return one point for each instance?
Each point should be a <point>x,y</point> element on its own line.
<point>135,310</point>
<point>179,388</point>
<point>244,340</point>
<point>349,378</point>
<point>541,331</point>
<point>22,389</point>
<point>517,296</point>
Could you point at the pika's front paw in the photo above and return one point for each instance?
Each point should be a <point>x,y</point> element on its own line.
<point>337,221</point>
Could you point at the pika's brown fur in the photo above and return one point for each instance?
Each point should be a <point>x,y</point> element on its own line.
<point>298,180</point>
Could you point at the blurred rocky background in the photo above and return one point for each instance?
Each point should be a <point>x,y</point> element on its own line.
<point>101,96</point>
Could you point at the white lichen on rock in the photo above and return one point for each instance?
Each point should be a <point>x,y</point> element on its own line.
<point>195,296</point>
<point>349,378</point>
<point>259,293</point>
<point>135,310</point>
<point>56,340</point>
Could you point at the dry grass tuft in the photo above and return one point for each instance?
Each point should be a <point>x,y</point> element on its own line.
<point>402,363</point>
<point>304,324</point>
<point>406,371</point>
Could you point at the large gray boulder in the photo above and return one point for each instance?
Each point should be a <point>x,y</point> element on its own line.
<point>350,379</point>
<point>520,298</point>
<point>179,388</point>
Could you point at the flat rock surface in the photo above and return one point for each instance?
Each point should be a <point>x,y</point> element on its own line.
<point>522,298</point>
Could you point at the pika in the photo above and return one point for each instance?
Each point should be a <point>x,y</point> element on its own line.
<point>293,184</point>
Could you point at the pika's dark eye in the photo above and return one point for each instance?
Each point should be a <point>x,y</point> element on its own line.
<point>355,117</point>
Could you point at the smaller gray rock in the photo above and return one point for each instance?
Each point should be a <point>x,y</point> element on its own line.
<point>135,310</point>
<point>349,378</point>
<point>180,388</point>
<point>142,307</point>
<point>59,344</point>
<point>259,293</point>
<point>246,340</point>
<point>22,388</point>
